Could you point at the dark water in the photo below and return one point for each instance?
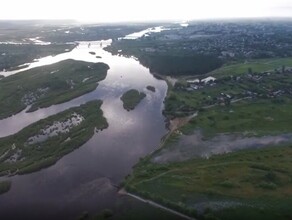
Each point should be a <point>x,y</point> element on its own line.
<point>85,179</point>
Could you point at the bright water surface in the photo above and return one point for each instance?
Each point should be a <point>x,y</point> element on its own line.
<point>85,179</point>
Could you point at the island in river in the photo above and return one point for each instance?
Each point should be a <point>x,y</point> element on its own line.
<point>48,85</point>
<point>132,98</point>
<point>43,143</point>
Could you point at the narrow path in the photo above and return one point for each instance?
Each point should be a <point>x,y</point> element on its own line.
<point>174,125</point>
<point>159,206</point>
<point>155,177</point>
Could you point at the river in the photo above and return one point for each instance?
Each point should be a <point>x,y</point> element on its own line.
<point>85,179</point>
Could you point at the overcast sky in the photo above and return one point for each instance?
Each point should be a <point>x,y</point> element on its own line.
<point>142,10</point>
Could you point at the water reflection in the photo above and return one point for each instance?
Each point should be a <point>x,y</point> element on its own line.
<point>145,32</point>
<point>125,73</point>
<point>85,179</point>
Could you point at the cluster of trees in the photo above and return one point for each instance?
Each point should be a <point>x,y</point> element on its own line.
<point>180,65</point>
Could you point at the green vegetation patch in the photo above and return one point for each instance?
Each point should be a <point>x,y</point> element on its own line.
<point>46,141</point>
<point>53,84</point>
<point>131,99</point>
<point>252,118</point>
<point>258,181</point>
<point>259,65</point>
<point>4,186</point>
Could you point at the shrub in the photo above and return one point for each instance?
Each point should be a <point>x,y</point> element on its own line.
<point>266,185</point>
<point>227,184</point>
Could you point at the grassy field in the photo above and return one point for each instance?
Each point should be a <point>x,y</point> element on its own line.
<point>250,117</point>
<point>258,181</point>
<point>48,85</point>
<point>4,186</point>
<point>19,155</point>
<point>131,99</point>
<point>260,65</point>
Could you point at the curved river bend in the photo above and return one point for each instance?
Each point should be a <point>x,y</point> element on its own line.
<point>85,179</point>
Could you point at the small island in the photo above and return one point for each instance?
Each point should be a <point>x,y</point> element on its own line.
<point>131,99</point>
<point>92,53</point>
<point>98,57</point>
<point>151,88</point>
<point>43,143</point>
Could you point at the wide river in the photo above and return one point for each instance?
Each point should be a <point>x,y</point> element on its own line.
<point>85,179</point>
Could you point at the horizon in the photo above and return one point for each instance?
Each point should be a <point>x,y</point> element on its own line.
<point>77,22</point>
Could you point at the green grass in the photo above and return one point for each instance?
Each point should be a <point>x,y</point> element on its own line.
<point>4,186</point>
<point>48,85</point>
<point>260,65</point>
<point>35,156</point>
<point>253,117</point>
<point>131,99</point>
<point>236,177</point>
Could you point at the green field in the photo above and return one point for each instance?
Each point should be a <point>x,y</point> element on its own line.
<point>19,155</point>
<point>53,84</point>
<point>131,99</point>
<point>260,178</point>
<point>260,65</point>
<point>250,117</point>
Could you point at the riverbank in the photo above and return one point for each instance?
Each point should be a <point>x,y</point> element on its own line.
<point>175,183</point>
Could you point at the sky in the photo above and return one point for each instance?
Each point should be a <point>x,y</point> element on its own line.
<point>142,10</point>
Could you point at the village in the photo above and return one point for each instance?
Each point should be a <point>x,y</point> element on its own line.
<point>231,41</point>
<point>250,85</point>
